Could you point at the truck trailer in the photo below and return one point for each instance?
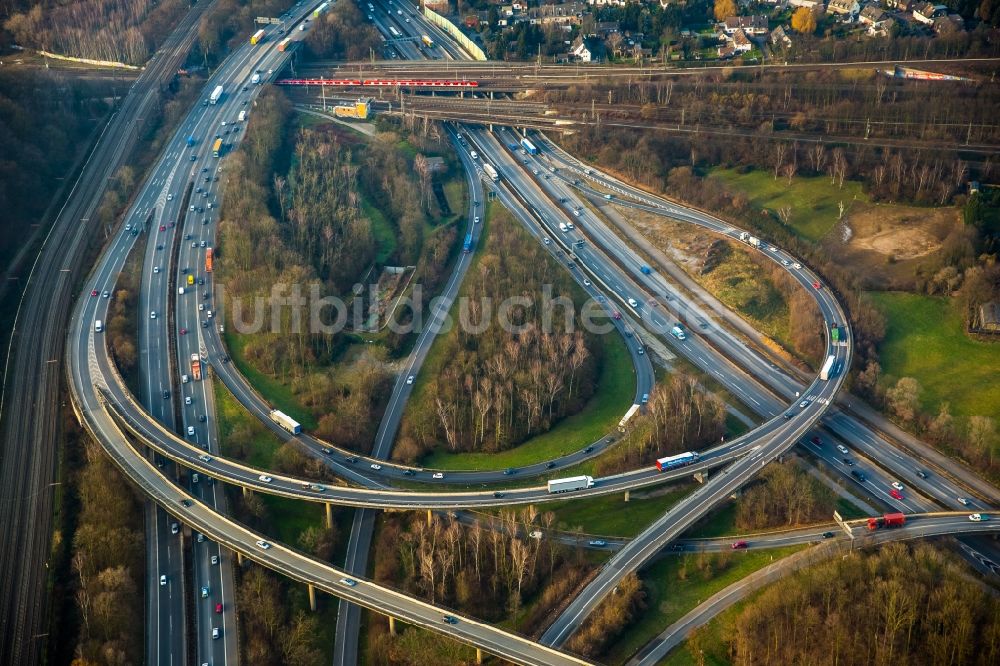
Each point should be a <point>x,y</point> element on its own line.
<point>529,147</point>
<point>217,148</point>
<point>571,483</point>
<point>257,37</point>
<point>467,245</point>
<point>491,172</point>
<point>827,370</point>
<point>216,95</point>
<point>887,520</point>
<point>285,421</point>
<point>752,241</point>
<point>628,417</point>
<point>196,367</point>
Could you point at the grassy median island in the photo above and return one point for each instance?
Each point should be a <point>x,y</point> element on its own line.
<point>676,584</point>
<point>925,339</point>
<point>813,201</point>
<point>611,515</point>
<point>614,395</point>
<point>538,394</point>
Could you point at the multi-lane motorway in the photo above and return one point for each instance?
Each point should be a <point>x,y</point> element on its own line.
<point>609,265</point>
<point>30,405</point>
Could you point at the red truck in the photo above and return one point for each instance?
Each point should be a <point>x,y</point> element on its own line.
<point>196,367</point>
<point>887,520</point>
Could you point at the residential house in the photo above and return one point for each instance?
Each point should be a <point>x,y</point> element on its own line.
<point>899,5</point>
<point>780,38</point>
<point>808,4</point>
<point>948,24</point>
<point>726,52</point>
<point>871,15</point>
<point>580,51</point>
<point>751,25</point>
<point>601,3</point>
<point>741,42</point>
<point>877,19</point>
<point>843,7</point>
<point>605,28</point>
<point>926,12</point>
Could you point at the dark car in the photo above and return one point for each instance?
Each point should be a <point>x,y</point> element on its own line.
<point>922,474</point>
<point>739,545</point>
<point>498,495</point>
<point>858,474</point>
<point>589,449</point>
<point>827,535</point>
<point>550,465</point>
<point>848,462</point>
<point>408,472</point>
<point>817,441</point>
<point>166,395</point>
<point>450,619</point>
<point>508,471</point>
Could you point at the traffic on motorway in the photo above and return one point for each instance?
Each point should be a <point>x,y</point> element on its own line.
<point>176,214</point>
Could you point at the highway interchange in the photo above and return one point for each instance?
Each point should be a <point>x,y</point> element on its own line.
<point>107,410</point>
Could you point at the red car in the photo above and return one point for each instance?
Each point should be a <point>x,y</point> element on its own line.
<point>162,228</point>
<point>218,608</point>
<point>896,494</point>
<point>184,331</point>
<point>817,441</point>
<point>739,545</point>
<point>94,293</point>
<point>616,314</point>
<point>816,285</point>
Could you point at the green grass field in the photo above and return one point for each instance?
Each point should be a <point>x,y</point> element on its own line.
<point>813,200</point>
<point>611,515</point>
<point>925,339</point>
<point>232,416</point>
<point>670,595</point>
<point>615,392</point>
<point>272,389</point>
<point>384,233</point>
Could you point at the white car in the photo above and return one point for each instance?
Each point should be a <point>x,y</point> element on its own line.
<point>476,220</point>
<point>174,528</point>
<point>842,449</point>
<point>796,265</point>
<point>156,269</point>
<point>978,517</point>
<point>215,559</point>
<point>438,475</point>
<point>215,633</point>
<point>163,579</point>
<point>376,466</point>
<point>190,431</point>
<point>349,582</point>
<point>265,478</point>
<point>409,380</point>
<point>187,400</point>
<point>586,282</point>
<point>170,197</point>
<point>205,458</point>
<point>263,545</point>
<point>897,485</point>
<point>773,249</point>
<point>963,501</point>
<point>152,314</point>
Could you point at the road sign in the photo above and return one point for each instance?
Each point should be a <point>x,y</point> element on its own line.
<point>843,525</point>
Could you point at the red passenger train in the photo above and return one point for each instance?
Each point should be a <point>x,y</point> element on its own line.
<point>381,83</point>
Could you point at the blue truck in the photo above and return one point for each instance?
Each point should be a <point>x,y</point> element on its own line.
<point>646,270</point>
<point>191,141</point>
<point>467,246</point>
<point>529,147</point>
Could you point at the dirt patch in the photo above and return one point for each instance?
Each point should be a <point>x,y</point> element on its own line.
<point>884,244</point>
<point>900,231</point>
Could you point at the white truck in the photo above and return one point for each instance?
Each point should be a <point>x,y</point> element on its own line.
<point>242,116</point>
<point>827,370</point>
<point>678,332</point>
<point>255,79</point>
<point>286,421</point>
<point>491,172</point>
<point>571,483</point>
<point>562,227</point>
<point>632,411</point>
<point>752,241</point>
<point>216,95</point>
